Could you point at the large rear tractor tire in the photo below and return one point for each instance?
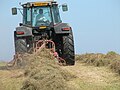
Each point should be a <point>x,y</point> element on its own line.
<point>68,49</point>
<point>65,47</point>
<point>20,45</point>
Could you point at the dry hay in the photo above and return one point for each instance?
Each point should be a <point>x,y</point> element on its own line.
<point>94,59</point>
<point>44,73</point>
<point>115,65</point>
<point>111,59</point>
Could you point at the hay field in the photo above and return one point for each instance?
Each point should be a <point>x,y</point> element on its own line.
<point>41,72</point>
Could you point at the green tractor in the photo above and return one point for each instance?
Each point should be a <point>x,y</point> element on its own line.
<point>41,21</point>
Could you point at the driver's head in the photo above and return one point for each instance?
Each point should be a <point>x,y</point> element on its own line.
<point>40,11</point>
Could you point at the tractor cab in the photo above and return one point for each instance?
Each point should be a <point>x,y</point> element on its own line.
<point>36,14</point>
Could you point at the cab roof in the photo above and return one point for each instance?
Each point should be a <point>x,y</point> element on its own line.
<point>41,3</point>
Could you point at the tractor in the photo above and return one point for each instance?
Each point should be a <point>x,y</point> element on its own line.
<point>42,23</point>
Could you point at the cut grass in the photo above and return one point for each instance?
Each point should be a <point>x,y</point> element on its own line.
<point>9,80</point>
<point>41,72</point>
<point>87,78</point>
<point>44,73</point>
<point>93,78</point>
<point>82,85</point>
<point>110,59</point>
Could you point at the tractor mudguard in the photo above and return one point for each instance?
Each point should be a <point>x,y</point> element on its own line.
<point>23,31</point>
<point>62,28</point>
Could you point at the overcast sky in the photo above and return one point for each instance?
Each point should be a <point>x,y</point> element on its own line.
<point>95,23</point>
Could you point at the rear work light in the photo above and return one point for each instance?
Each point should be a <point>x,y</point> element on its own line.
<point>19,32</point>
<point>66,28</point>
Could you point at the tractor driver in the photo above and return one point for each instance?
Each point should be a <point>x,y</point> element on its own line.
<point>40,18</point>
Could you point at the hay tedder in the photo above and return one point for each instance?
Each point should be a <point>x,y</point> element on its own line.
<point>42,27</point>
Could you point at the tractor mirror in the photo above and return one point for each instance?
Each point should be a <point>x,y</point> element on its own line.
<point>64,7</point>
<point>14,11</point>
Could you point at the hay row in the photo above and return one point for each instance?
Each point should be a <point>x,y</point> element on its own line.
<point>44,73</point>
<point>110,59</point>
